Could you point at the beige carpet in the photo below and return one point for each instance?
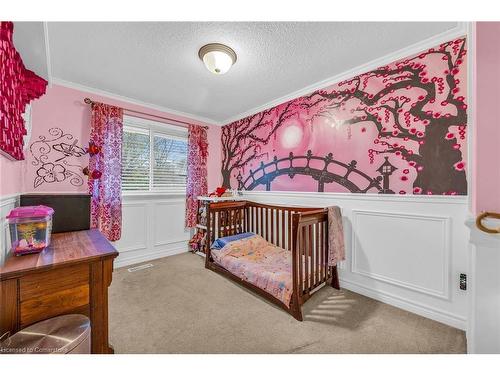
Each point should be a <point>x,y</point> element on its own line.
<point>178,306</point>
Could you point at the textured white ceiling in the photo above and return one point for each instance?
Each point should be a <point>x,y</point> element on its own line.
<point>158,63</point>
<point>29,40</point>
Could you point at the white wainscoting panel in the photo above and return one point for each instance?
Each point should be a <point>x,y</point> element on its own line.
<point>152,227</point>
<point>168,222</point>
<point>423,261</point>
<point>407,251</point>
<point>7,203</point>
<point>135,227</point>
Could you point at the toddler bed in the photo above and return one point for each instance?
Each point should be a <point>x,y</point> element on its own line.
<point>278,252</point>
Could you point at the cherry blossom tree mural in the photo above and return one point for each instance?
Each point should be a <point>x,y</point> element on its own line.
<point>410,114</point>
<point>242,142</point>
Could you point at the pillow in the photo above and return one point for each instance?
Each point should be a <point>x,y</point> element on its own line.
<point>219,243</point>
<point>254,245</point>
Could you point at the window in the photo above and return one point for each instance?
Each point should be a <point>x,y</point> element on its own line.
<point>154,156</point>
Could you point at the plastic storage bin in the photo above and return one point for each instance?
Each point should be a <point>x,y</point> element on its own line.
<point>30,229</point>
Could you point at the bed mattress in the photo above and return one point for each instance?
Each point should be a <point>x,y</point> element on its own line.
<point>260,263</point>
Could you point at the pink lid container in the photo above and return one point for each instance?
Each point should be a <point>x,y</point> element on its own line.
<point>30,212</point>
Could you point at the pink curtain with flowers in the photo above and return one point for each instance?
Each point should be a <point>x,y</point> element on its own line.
<point>197,171</point>
<point>106,202</point>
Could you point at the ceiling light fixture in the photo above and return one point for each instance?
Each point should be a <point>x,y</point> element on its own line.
<point>218,58</point>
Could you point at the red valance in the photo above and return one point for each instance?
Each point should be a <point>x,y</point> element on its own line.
<point>18,86</point>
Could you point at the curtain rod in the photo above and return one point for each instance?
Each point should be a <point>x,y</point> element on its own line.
<point>91,102</point>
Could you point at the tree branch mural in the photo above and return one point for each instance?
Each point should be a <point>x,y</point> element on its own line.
<point>414,109</point>
<point>242,143</point>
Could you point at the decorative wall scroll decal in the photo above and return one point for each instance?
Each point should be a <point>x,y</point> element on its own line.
<point>53,155</point>
<point>69,150</point>
<point>411,114</point>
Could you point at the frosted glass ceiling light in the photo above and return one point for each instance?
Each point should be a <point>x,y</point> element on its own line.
<point>218,58</point>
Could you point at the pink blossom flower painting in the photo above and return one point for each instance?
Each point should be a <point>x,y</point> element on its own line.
<point>398,129</point>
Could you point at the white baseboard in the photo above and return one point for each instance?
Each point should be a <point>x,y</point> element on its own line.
<point>126,259</point>
<point>405,304</point>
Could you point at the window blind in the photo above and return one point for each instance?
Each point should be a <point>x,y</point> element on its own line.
<point>135,159</point>
<point>154,156</point>
<point>170,163</point>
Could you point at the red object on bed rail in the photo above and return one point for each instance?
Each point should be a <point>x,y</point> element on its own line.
<point>301,230</point>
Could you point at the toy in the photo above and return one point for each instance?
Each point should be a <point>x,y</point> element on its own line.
<point>221,191</point>
<point>92,150</point>
<point>95,174</point>
<point>197,242</point>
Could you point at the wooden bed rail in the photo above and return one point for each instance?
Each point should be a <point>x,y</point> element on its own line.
<point>274,223</point>
<point>310,254</point>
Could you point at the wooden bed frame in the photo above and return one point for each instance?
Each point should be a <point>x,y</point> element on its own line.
<point>301,230</point>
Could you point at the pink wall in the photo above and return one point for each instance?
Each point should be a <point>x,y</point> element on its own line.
<point>62,110</point>
<point>11,176</point>
<point>486,179</point>
<point>214,157</point>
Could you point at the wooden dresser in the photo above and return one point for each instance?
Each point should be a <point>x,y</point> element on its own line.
<point>72,275</point>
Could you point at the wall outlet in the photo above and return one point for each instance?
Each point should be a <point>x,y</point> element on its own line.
<point>463,281</point>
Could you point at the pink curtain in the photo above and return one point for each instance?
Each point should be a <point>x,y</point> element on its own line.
<point>197,171</point>
<point>106,202</point>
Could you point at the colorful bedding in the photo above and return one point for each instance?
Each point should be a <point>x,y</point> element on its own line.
<point>260,263</point>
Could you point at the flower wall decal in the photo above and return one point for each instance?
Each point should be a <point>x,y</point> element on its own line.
<point>54,156</point>
<point>50,172</point>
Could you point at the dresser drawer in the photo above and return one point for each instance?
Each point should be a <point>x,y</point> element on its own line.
<point>40,284</point>
<point>54,292</point>
<point>65,301</point>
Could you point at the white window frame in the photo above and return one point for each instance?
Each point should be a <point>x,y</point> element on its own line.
<point>160,129</point>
